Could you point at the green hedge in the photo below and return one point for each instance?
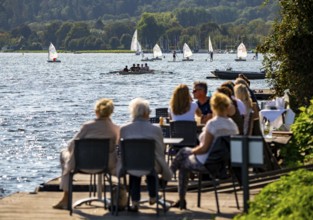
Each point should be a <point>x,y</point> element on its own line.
<point>291,197</point>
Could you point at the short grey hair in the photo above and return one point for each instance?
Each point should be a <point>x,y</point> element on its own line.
<point>139,108</point>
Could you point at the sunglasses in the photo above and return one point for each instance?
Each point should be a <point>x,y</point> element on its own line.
<point>195,90</point>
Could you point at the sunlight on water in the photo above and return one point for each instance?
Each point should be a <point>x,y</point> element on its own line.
<point>43,104</point>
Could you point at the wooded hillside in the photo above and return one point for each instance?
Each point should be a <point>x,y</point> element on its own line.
<point>109,24</point>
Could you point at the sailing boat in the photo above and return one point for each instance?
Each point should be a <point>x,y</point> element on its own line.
<point>241,52</point>
<point>157,52</point>
<point>52,54</point>
<point>210,49</point>
<point>135,45</point>
<point>187,53</point>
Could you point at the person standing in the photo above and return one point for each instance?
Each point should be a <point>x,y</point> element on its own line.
<point>174,55</point>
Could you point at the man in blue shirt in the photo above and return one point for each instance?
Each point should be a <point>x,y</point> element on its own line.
<point>200,90</point>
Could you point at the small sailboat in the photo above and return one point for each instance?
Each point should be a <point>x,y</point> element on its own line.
<point>187,53</point>
<point>210,49</point>
<point>157,52</point>
<point>241,53</point>
<point>53,54</point>
<point>135,45</point>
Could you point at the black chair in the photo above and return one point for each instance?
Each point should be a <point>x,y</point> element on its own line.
<point>91,157</point>
<point>139,155</point>
<point>250,123</point>
<point>161,112</point>
<point>154,120</point>
<point>269,156</point>
<point>182,129</point>
<point>218,167</point>
<point>165,128</point>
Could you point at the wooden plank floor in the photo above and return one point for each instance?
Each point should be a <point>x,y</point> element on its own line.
<point>38,205</point>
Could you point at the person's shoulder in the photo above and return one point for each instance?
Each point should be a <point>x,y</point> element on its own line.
<point>89,122</point>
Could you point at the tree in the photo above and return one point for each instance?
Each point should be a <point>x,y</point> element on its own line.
<point>150,30</point>
<point>289,52</point>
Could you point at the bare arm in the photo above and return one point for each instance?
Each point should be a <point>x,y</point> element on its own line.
<point>203,148</point>
<point>198,112</point>
<point>231,110</point>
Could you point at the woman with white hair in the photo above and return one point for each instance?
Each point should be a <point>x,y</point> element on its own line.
<point>140,127</point>
<point>101,127</point>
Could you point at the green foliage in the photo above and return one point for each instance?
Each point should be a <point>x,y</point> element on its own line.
<point>288,198</point>
<point>290,52</point>
<point>300,149</point>
<point>303,133</point>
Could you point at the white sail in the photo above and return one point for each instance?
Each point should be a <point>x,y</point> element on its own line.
<point>135,45</point>
<point>186,51</point>
<point>138,51</point>
<point>52,54</point>
<point>210,45</point>
<point>242,51</point>
<point>157,52</point>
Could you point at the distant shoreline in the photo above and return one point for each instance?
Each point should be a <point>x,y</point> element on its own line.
<point>67,51</point>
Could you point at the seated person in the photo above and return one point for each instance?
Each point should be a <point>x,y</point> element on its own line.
<point>140,127</point>
<point>125,69</point>
<point>234,112</point>
<point>182,108</point>
<point>200,93</point>
<point>138,67</point>
<point>242,93</point>
<point>133,68</point>
<point>188,159</point>
<point>101,127</point>
<point>146,67</point>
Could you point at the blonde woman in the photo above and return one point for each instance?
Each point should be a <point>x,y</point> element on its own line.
<point>101,127</point>
<point>182,108</point>
<point>242,93</point>
<point>188,159</point>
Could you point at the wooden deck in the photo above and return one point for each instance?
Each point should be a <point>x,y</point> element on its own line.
<point>38,205</point>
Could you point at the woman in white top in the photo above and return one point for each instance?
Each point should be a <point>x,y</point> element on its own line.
<point>188,159</point>
<point>182,108</point>
<point>242,93</point>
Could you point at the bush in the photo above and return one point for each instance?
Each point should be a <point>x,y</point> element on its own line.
<point>289,198</point>
<point>300,149</point>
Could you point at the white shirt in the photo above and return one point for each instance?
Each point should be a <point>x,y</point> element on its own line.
<point>217,126</point>
<point>241,106</point>
<point>188,116</point>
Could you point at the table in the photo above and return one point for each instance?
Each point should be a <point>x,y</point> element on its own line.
<point>172,140</point>
<point>275,116</point>
<point>279,139</point>
<point>167,126</point>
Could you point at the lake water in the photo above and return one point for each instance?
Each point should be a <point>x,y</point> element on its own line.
<point>43,104</point>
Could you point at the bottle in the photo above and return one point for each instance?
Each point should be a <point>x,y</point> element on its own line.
<point>161,121</point>
<point>266,129</point>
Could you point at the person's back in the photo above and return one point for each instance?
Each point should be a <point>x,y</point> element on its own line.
<point>140,127</point>
<point>146,67</point>
<point>138,67</point>
<point>125,69</point>
<point>101,127</point>
<point>133,68</point>
<point>181,106</point>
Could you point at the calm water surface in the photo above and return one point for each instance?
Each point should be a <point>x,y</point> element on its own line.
<point>43,104</point>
